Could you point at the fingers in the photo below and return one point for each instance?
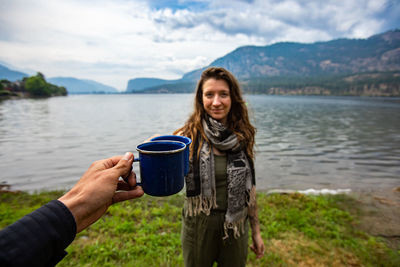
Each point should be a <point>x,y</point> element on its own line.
<point>124,165</point>
<point>108,163</point>
<point>129,182</point>
<point>128,157</point>
<point>127,189</point>
<point>253,249</point>
<point>123,186</point>
<point>259,254</point>
<point>258,250</point>
<point>125,195</point>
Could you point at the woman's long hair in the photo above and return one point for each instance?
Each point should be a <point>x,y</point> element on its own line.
<point>238,118</point>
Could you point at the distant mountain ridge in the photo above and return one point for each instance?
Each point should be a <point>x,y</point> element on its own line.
<point>73,85</point>
<point>340,58</point>
<point>139,84</point>
<point>82,86</point>
<point>11,75</point>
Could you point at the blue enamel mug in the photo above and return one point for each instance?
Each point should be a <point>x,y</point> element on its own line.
<point>186,140</point>
<point>161,167</point>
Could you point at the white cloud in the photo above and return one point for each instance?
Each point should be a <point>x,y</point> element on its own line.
<point>114,41</point>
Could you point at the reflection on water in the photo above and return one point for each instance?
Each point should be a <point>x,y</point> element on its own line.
<point>302,142</point>
<point>315,142</point>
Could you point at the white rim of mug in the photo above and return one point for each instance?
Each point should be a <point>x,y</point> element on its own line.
<point>161,152</point>
<point>159,138</point>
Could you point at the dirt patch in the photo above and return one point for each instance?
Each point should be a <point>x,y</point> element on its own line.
<point>379,214</point>
<point>300,252</point>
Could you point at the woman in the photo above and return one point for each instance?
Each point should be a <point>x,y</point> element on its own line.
<point>220,186</point>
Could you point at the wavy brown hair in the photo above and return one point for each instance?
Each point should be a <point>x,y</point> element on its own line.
<point>238,118</point>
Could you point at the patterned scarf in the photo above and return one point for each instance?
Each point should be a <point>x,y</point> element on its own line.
<point>200,181</point>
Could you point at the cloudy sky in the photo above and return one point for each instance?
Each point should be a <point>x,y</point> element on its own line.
<point>112,41</point>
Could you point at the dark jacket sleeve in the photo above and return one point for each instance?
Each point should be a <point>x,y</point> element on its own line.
<point>39,238</point>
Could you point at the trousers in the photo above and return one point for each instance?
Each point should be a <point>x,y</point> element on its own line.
<point>203,243</point>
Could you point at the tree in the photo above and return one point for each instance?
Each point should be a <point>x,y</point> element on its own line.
<point>37,86</point>
<point>57,90</point>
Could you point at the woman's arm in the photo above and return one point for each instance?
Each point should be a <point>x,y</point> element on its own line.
<point>258,243</point>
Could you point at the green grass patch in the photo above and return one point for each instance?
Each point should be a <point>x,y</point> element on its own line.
<point>297,230</point>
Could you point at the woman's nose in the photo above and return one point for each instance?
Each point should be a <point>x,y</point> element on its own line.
<point>216,101</point>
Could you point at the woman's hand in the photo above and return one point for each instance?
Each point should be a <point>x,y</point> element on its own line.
<point>151,137</point>
<point>258,245</point>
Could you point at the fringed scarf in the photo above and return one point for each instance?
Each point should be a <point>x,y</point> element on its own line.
<point>200,181</point>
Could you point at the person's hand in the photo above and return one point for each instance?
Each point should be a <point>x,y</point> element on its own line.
<point>151,137</point>
<point>99,187</point>
<point>258,245</point>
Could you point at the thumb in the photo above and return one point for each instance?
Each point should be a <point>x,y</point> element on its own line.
<point>124,166</point>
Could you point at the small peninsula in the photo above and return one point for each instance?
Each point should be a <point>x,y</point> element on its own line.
<point>30,87</point>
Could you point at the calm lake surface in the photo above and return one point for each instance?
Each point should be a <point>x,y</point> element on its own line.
<point>303,142</point>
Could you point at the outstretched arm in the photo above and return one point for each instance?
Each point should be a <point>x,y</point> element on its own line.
<point>39,238</point>
<point>258,244</point>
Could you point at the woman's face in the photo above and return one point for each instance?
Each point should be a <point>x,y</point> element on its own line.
<point>217,99</point>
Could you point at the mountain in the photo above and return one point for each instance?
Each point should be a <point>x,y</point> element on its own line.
<point>378,53</point>
<point>290,67</point>
<point>28,71</point>
<point>78,86</point>
<point>139,84</point>
<point>11,75</point>
<point>171,86</point>
<point>73,85</point>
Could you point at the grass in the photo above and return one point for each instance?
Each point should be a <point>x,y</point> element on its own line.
<point>298,230</point>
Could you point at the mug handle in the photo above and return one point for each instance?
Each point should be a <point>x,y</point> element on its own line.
<point>138,183</point>
<point>125,179</point>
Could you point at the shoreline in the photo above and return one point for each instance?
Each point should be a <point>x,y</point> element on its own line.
<point>378,211</point>
<point>5,187</point>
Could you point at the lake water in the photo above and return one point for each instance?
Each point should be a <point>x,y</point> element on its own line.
<point>303,142</point>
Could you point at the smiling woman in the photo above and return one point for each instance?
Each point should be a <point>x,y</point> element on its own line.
<point>220,186</point>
